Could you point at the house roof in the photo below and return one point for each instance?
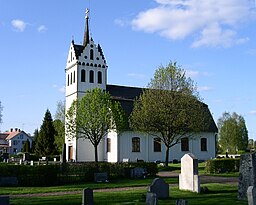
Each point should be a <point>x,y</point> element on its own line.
<point>10,135</point>
<point>3,136</point>
<point>127,95</point>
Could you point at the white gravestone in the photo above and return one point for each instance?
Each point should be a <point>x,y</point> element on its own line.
<point>251,195</point>
<point>189,179</point>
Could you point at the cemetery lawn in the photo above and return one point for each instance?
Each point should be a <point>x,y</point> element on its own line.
<point>223,194</point>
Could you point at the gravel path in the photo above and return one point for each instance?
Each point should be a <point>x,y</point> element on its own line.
<point>204,179</point>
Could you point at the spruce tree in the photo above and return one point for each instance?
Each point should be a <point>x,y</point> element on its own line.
<point>45,140</point>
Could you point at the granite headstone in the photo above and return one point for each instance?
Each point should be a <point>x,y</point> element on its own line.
<point>251,195</point>
<point>247,174</point>
<point>160,188</point>
<point>151,199</point>
<point>87,198</point>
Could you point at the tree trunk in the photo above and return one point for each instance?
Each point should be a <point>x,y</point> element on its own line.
<point>167,156</point>
<point>96,153</point>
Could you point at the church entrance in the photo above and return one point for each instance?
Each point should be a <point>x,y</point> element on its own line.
<point>70,153</point>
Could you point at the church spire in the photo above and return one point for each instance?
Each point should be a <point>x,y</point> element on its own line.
<point>86,33</point>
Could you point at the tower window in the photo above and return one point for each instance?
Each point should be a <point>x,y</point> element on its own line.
<point>91,76</point>
<point>82,75</point>
<point>108,145</point>
<point>68,79</point>
<point>71,79</point>
<point>99,77</point>
<point>135,144</point>
<point>91,54</point>
<point>74,79</point>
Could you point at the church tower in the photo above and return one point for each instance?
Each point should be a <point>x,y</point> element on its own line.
<point>86,69</point>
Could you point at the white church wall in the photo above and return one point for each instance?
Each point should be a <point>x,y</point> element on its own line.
<point>112,155</point>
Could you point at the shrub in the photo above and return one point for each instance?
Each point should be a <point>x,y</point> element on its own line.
<point>222,165</point>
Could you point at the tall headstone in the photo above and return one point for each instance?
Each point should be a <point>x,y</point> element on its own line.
<point>87,198</point>
<point>247,174</point>
<point>160,188</point>
<point>251,195</point>
<point>4,200</point>
<point>181,202</point>
<point>151,199</point>
<point>189,179</point>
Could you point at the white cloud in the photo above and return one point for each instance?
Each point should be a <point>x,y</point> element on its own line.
<point>19,25</point>
<point>62,89</point>
<point>41,28</point>
<point>213,22</point>
<point>252,112</point>
<point>204,88</point>
<point>192,73</point>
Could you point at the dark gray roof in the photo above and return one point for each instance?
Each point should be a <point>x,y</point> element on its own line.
<point>78,50</point>
<point>127,95</point>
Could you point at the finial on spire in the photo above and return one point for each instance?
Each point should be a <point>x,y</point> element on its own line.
<point>86,33</point>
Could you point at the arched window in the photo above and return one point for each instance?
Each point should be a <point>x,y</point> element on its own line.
<point>82,75</point>
<point>108,145</point>
<point>74,79</point>
<point>91,76</point>
<point>203,144</point>
<point>135,144</point>
<point>184,144</point>
<point>91,54</point>
<point>99,77</point>
<point>68,79</point>
<point>71,78</point>
<point>157,144</point>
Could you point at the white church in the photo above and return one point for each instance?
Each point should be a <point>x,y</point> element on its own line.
<point>86,68</point>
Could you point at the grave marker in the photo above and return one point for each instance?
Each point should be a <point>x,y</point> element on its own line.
<point>87,198</point>
<point>251,195</point>
<point>247,174</point>
<point>160,188</point>
<point>151,199</point>
<point>189,179</point>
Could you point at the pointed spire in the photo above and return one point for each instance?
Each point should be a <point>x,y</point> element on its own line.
<point>86,33</point>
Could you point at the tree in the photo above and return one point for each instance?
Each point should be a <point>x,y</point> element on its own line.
<point>233,134</point>
<point>170,108</point>
<point>1,115</point>
<point>45,140</point>
<point>35,137</point>
<point>92,116</point>
<point>59,137</point>
<point>59,125</point>
<point>26,147</point>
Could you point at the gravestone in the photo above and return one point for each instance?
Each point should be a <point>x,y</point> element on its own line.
<point>181,202</point>
<point>160,188</point>
<point>189,179</point>
<point>251,195</point>
<point>5,157</point>
<point>87,198</point>
<point>4,200</point>
<point>32,163</point>
<point>151,199</point>
<point>101,177</point>
<point>8,181</point>
<point>138,172</point>
<point>247,174</point>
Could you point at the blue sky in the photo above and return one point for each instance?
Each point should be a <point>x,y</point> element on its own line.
<point>214,41</point>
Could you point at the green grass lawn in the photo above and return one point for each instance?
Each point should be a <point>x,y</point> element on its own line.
<point>221,194</point>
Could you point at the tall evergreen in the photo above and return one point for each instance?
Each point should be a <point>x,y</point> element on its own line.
<point>45,140</point>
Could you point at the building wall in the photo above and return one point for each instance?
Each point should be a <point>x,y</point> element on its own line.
<point>17,142</point>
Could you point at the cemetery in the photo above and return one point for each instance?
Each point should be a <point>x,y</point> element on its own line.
<point>130,183</point>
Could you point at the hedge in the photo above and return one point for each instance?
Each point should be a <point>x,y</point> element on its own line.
<point>222,165</point>
<point>70,173</point>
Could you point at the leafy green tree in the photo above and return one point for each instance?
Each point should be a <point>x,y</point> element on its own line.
<point>45,140</point>
<point>35,137</point>
<point>59,125</point>
<point>233,134</point>
<point>26,147</point>
<point>170,108</point>
<point>92,116</point>
<point>59,137</point>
